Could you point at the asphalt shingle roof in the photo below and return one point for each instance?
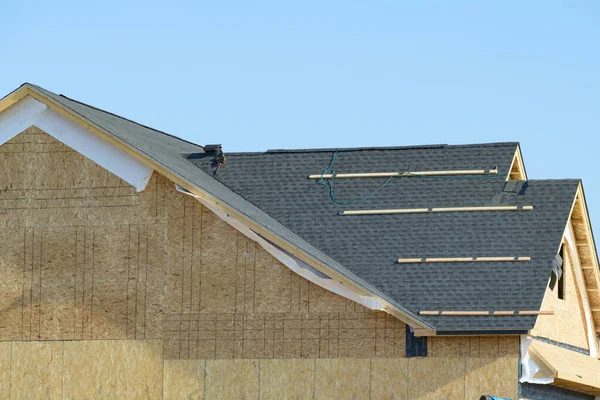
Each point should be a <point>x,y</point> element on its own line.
<point>370,245</point>
<point>272,189</point>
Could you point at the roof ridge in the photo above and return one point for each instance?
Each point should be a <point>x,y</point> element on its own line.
<point>113,114</point>
<point>382,148</point>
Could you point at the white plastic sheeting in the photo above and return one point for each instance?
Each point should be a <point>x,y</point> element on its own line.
<point>290,261</point>
<point>532,369</point>
<point>29,111</point>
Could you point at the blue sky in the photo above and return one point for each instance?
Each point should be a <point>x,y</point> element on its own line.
<point>277,74</point>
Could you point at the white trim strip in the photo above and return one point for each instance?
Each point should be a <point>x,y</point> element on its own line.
<point>30,112</point>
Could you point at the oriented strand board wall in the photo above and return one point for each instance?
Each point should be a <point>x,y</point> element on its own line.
<point>89,258</point>
<point>135,369</point>
<point>567,325</point>
<point>119,294</point>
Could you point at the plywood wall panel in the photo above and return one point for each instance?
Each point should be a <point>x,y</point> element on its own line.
<point>342,379</point>
<point>89,369</point>
<point>219,256</point>
<point>26,318</point>
<point>322,300</point>
<point>389,379</point>
<point>434,378</point>
<point>132,280</point>
<point>36,280</point>
<point>36,370</point>
<point>110,264</point>
<point>250,276</point>
<point>272,284</point>
<point>493,376</point>
<point>139,369</point>
<point>5,369</point>
<point>175,257</point>
<point>220,374</point>
<point>79,283</point>
<point>287,379</point>
<point>87,278</point>
<point>136,369</point>
<point>57,288</point>
<point>154,282</point>
<point>188,253</point>
<point>12,274</point>
<point>183,380</point>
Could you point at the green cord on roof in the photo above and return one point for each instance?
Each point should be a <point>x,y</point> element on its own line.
<point>329,183</point>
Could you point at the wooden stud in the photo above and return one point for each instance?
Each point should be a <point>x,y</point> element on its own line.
<point>462,259</point>
<point>436,210</point>
<point>405,174</point>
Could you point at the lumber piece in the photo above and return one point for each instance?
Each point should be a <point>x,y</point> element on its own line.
<point>462,259</point>
<point>405,174</point>
<point>436,210</point>
<point>501,313</point>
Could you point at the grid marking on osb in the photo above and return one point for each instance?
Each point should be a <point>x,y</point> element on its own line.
<point>282,335</point>
<point>90,258</point>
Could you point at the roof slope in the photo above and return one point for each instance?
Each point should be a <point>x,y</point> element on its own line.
<point>272,190</point>
<point>370,245</point>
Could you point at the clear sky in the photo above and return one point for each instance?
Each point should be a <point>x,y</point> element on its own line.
<point>335,73</point>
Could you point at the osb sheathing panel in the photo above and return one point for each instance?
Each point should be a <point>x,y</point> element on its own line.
<point>342,379</point>
<point>89,372</point>
<point>436,378</point>
<point>287,379</point>
<point>36,370</point>
<point>495,376</point>
<point>389,378</point>
<point>567,325</point>
<point>232,379</point>
<point>115,369</point>
<point>139,369</point>
<point>183,379</point>
<point>5,355</point>
<point>474,346</point>
<point>89,258</point>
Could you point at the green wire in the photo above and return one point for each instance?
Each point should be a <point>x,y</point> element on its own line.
<point>329,183</point>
